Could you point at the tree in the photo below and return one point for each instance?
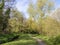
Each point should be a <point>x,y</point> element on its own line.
<point>31,21</point>
<point>1,14</point>
<point>43,8</point>
<point>5,13</point>
<point>56,14</point>
<point>38,11</point>
<point>16,21</point>
<point>51,27</point>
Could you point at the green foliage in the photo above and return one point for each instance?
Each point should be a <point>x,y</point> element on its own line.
<point>55,40</point>
<point>2,4</point>
<point>24,39</point>
<point>21,42</point>
<point>37,14</point>
<point>50,26</point>
<point>13,21</point>
<point>5,19</point>
<point>1,15</point>
<point>6,38</point>
<point>13,25</point>
<point>31,26</point>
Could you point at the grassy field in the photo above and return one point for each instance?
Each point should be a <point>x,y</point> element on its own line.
<point>24,39</point>
<point>21,42</point>
<point>55,40</point>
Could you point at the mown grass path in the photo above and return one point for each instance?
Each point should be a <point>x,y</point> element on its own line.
<point>39,41</point>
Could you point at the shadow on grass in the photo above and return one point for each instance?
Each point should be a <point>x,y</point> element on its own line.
<point>7,38</point>
<point>23,39</point>
<point>22,42</point>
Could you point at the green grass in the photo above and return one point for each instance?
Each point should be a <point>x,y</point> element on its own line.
<point>24,39</point>
<point>42,37</point>
<point>6,37</point>
<point>54,40</point>
<point>21,42</point>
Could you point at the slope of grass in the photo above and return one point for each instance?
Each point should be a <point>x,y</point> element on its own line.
<point>6,37</point>
<point>24,39</point>
<point>53,40</point>
<point>21,42</point>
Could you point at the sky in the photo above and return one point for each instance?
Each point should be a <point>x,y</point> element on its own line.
<point>57,3</point>
<point>22,5</point>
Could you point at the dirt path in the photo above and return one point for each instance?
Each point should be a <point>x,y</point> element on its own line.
<point>40,42</point>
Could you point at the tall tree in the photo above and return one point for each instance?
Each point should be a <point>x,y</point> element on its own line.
<point>16,21</point>
<point>56,14</point>
<point>43,7</point>
<point>1,14</point>
<point>39,10</point>
<point>5,9</point>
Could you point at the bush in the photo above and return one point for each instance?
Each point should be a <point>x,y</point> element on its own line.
<point>7,38</point>
<point>54,40</point>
